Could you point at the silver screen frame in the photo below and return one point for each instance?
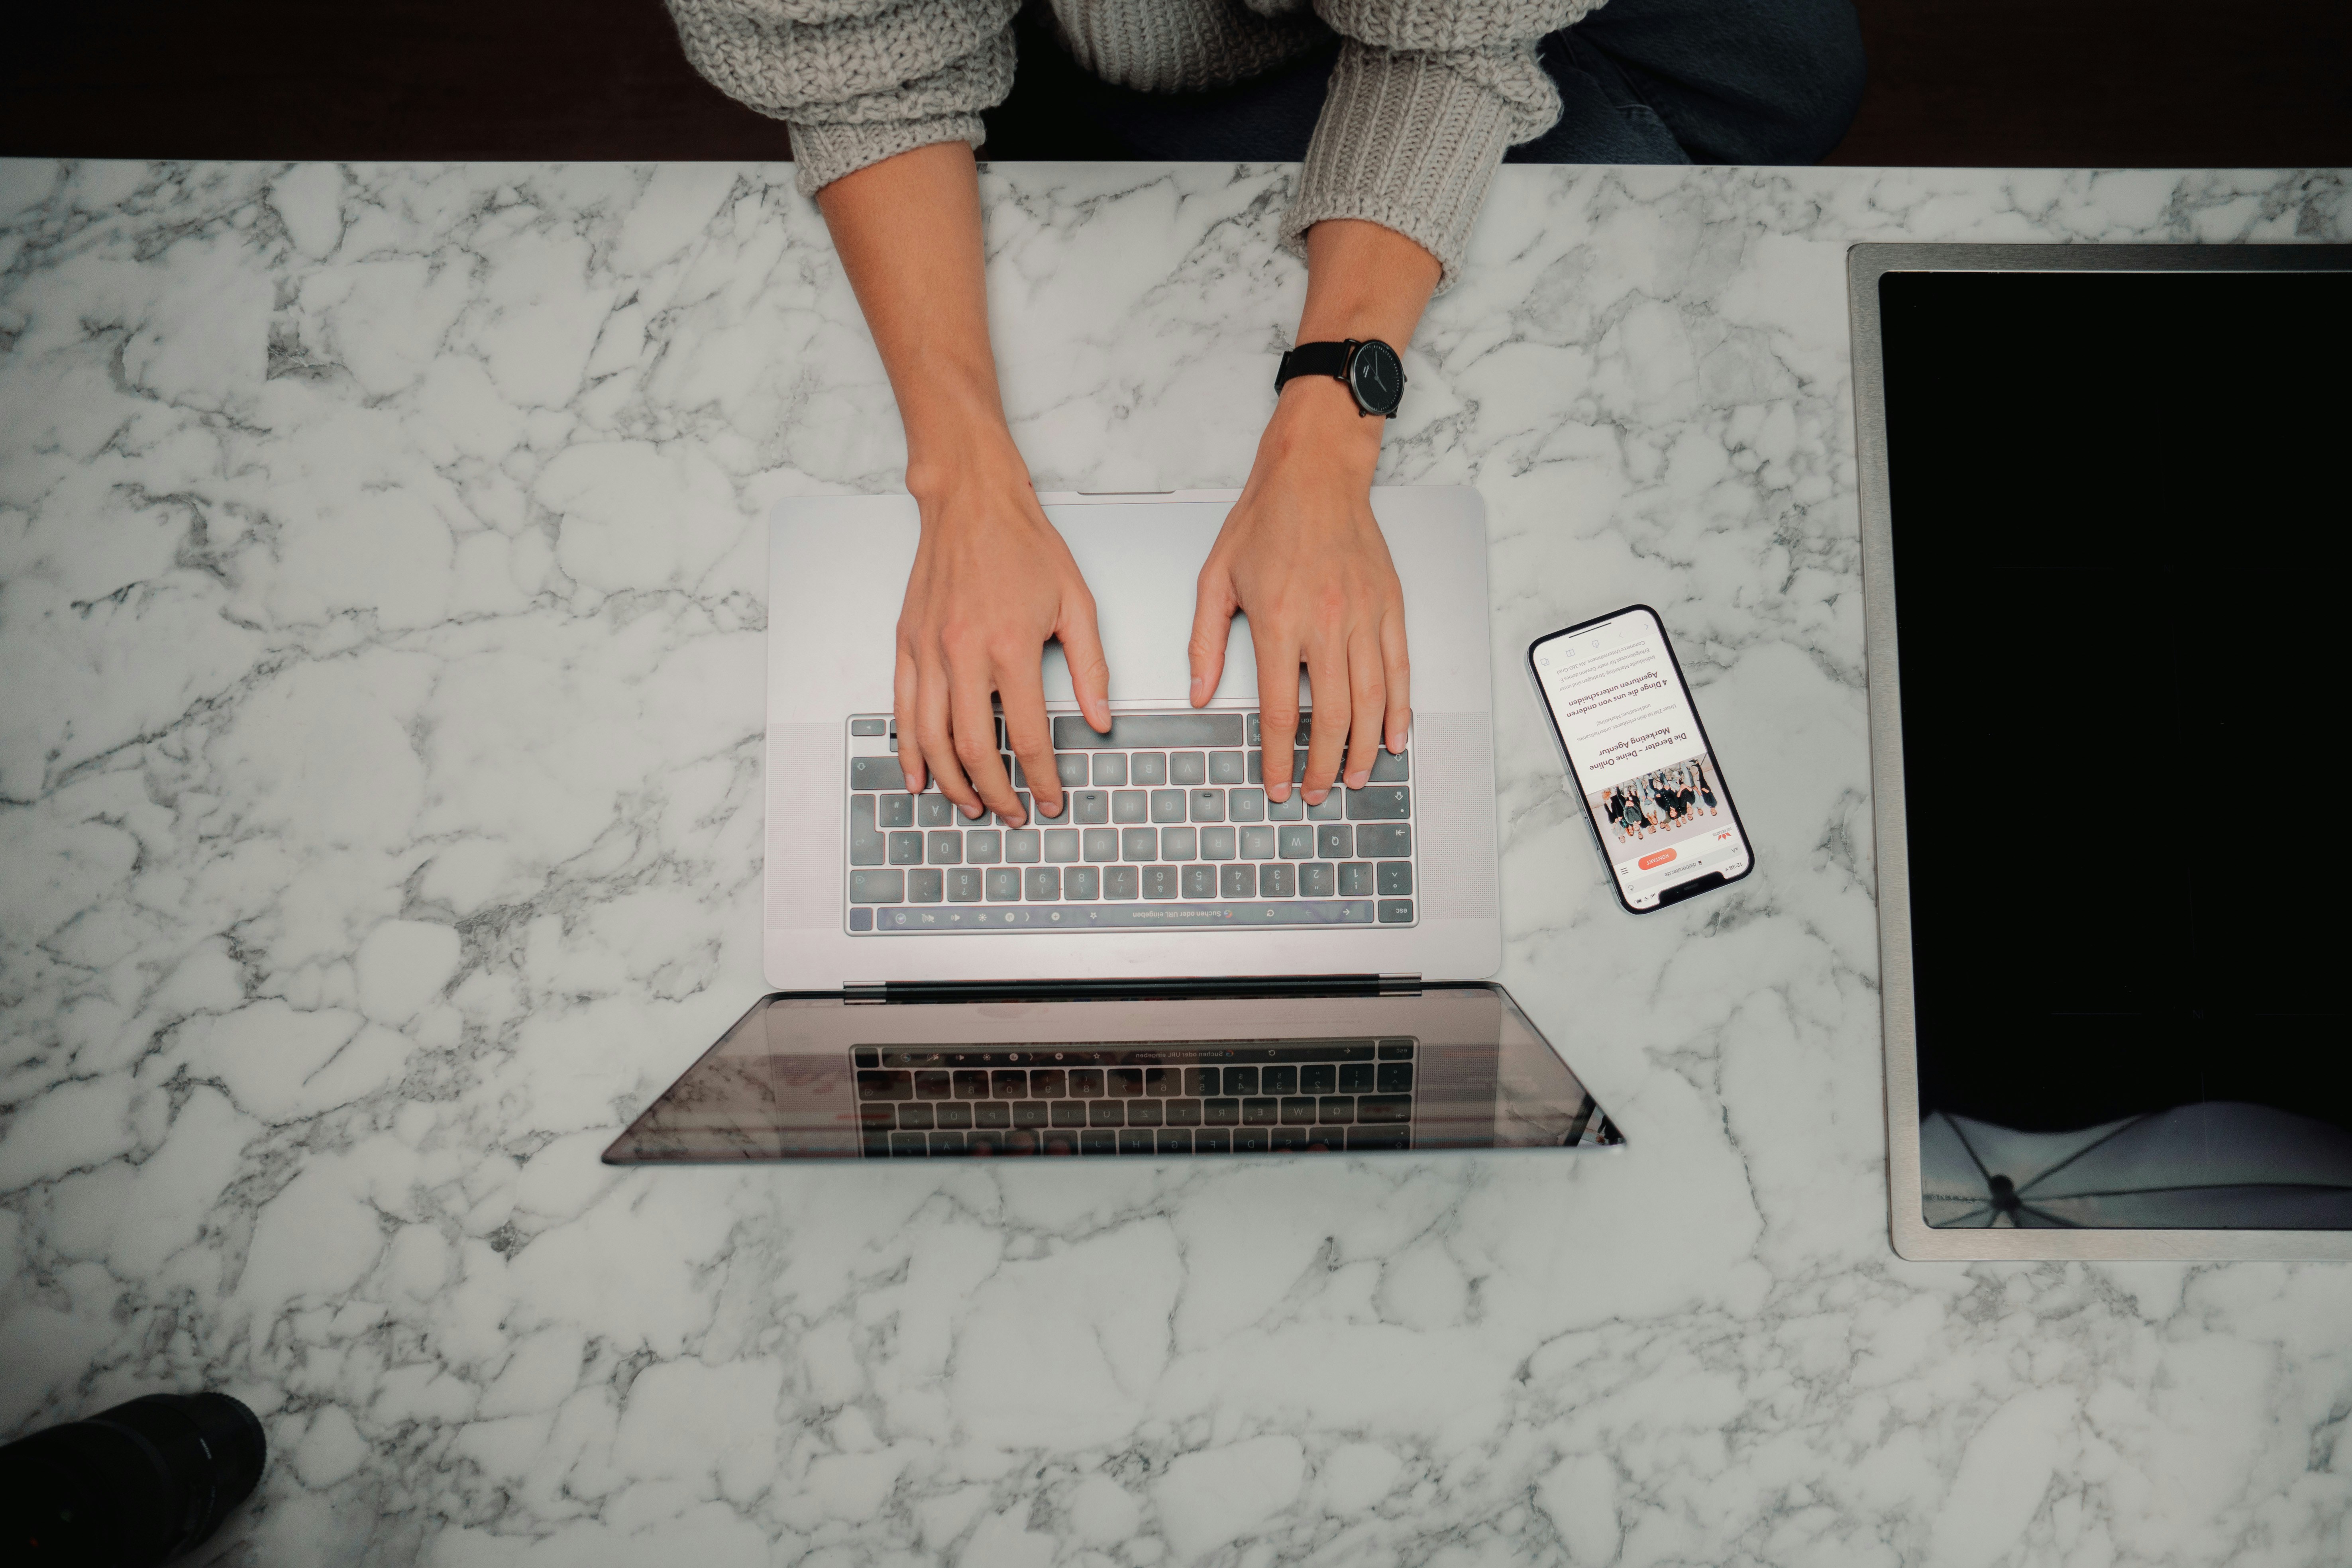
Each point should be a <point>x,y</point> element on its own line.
<point>1912,1237</point>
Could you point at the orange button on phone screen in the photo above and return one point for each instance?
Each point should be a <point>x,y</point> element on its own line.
<point>1660,858</point>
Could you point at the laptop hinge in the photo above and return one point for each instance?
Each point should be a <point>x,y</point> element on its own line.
<point>871,991</point>
<point>1161,988</point>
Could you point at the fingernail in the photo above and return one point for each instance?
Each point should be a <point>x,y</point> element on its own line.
<point>1198,685</point>
<point>974,811</point>
<point>1277,792</point>
<point>1315,797</point>
<point>1359,778</point>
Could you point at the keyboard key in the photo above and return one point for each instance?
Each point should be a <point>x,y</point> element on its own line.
<point>1147,767</point>
<point>935,1084</point>
<point>984,846</point>
<point>1138,844</point>
<point>907,848</point>
<point>924,887</point>
<point>1120,882</point>
<point>1008,1083</point>
<point>1257,843</point>
<point>1061,845</point>
<point>1105,1114</point>
<point>1212,1140</point>
<point>1177,843</point>
<point>915,1117</point>
<point>1022,846</point>
<point>1387,769</point>
<point>1334,843</point>
<point>1328,808</point>
<point>1130,806</point>
<point>970,1084</point>
<point>1071,769</point>
<point>1246,804</point>
<point>866,844</point>
<point>1318,1078</point>
<point>1198,1082</point>
<point>1110,770</point>
<point>1277,879</point>
<point>1380,802</point>
<point>1200,881</point>
<point>1160,881</point>
<point>944,848</point>
<point>1178,1141</point>
<point>1380,1138</point>
<point>1395,1077</point>
<point>1049,1083</point>
<point>933,811</point>
<point>1238,882</point>
<point>1183,1113</point>
<point>1102,843</point>
<point>1042,884</point>
<point>1384,843</point>
<point>1315,880</point>
<point>1003,885</point>
<point>1291,810</point>
<point>1299,1109</point>
<point>1396,1051</point>
<point>1028,808</point>
<point>1253,1139</point>
<point>1161,1082</point>
<point>1188,768</point>
<point>1356,880</point>
<point>1220,1112</point>
<point>1161,730</point>
<point>1207,804</point>
<point>1133,1143</point>
<point>1225,768</point>
<point>1298,843</point>
<point>1261,1112</point>
<point>868,726</point>
<point>1254,772</point>
<point>1082,882</point>
<point>1396,911</point>
<point>1124,1083</point>
<point>877,773</point>
<point>861,919</point>
<point>1356,1077</point>
<point>1396,879</point>
<point>895,811</point>
<point>1336,1109</point>
<point>884,1084</point>
<point>964,885</point>
<point>1279,1080</point>
<point>1029,1114</point>
<point>1217,842</point>
<point>1102,1141</point>
<point>1090,806</point>
<point>1168,805</point>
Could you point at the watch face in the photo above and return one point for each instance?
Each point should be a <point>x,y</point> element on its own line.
<point>1376,377</point>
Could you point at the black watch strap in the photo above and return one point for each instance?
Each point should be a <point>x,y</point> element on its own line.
<point>1313,359</point>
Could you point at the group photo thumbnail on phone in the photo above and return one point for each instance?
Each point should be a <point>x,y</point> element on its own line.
<point>1662,805</point>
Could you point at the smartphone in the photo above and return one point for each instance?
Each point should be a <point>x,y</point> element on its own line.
<point>1653,794</point>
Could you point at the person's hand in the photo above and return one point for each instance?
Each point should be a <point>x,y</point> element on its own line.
<point>1301,555</point>
<point>992,581</point>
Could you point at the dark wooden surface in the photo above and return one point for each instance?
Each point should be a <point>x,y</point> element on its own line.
<point>2010,82</point>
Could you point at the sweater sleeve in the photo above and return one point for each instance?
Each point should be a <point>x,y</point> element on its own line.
<point>1422,104</point>
<point>854,81</point>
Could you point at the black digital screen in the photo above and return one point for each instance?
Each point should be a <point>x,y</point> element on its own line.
<point>2120,503</point>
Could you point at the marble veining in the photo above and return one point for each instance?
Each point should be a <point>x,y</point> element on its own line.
<point>381,615</point>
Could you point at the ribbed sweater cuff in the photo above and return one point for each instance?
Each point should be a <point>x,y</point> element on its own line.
<point>1406,143</point>
<point>823,154</point>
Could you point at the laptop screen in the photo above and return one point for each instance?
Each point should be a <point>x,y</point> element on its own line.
<point>2119,504</point>
<point>819,1078</point>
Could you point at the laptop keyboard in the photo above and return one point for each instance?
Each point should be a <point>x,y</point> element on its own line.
<point>1166,825</point>
<point>1243,1098</point>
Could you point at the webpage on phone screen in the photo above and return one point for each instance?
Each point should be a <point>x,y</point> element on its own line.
<point>1656,797</point>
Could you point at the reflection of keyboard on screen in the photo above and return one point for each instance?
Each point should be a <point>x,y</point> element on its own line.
<point>1238,1098</point>
<point>1168,826</point>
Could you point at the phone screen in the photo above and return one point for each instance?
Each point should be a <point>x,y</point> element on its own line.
<point>1638,756</point>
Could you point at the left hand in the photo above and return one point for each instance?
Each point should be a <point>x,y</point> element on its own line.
<point>1302,557</point>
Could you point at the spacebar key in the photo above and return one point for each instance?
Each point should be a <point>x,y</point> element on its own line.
<point>1227,917</point>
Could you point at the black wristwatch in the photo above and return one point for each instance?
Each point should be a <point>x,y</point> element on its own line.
<point>1370,369</point>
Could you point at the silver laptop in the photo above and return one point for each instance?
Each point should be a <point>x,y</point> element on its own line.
<point>1176,965</point>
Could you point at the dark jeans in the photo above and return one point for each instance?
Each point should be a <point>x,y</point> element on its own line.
<point>1641,81</point>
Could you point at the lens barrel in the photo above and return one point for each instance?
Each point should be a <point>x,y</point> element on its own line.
<point>133,1487</point>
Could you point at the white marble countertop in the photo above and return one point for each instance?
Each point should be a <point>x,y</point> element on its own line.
<point>380,619</point>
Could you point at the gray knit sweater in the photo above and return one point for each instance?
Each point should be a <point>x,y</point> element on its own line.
<point>1425,96</point>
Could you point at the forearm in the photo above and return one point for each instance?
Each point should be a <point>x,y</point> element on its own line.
<point>1363,281</point>
<point>907,231</point>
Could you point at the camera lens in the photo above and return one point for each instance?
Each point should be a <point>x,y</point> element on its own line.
<point>135,1485</point>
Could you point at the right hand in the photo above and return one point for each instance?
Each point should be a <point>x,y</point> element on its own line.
<point>992,581</point>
